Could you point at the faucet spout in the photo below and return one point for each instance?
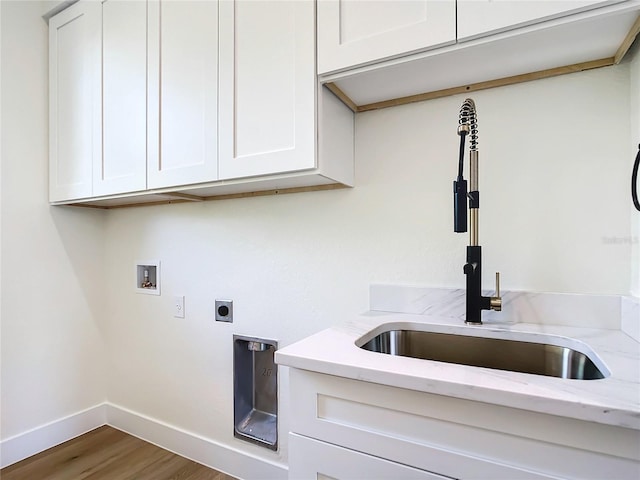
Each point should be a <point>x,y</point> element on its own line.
<point>476,302</point>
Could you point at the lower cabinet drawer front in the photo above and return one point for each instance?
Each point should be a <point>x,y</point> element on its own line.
<point>456,438</point>
<point>311,459</point>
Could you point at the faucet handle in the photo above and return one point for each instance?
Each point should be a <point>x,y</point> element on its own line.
<point>496,302</point>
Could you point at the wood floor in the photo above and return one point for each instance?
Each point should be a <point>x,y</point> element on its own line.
<point>108,454</point>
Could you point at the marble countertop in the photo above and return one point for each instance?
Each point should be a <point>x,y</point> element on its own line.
<point>614,400</point>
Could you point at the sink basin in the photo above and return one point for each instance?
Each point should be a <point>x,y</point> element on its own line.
<point>560,357</point>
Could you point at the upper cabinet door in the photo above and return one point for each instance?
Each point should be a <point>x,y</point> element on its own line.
<point>480,17</point>
<point>267,87</point>
<point>122,165</point>
<point>355,32</point>
<point>74,101</point>
<point>182,92</point>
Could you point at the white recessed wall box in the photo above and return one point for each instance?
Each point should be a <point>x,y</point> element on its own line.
<point>147,276</point>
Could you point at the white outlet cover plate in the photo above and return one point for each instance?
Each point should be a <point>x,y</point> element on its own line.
<point>178,306</point>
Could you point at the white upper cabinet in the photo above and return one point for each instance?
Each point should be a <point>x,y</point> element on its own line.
<point>355,32</point>
<point>267,87</point>
<point>495,41</point>
<point>153,100</point>
<point>479,17</point>
<point>74,101</point>
<point>122,167</point>
<point>183,92</point>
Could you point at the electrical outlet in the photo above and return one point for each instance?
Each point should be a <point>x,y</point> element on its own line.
<point>224,311</point>
<point>178,306</point>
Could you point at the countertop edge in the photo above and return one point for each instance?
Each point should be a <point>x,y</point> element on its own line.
<point>513,390</point>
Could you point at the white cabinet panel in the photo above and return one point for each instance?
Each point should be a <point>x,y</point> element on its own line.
<point>151,95</point>
<point>267,87</point>
<point>122,166</point>
<point>310,459</point>
<point>353,32</point>
<point>479,17</point>
<point>74,102</point>
<point>454,437</point>
<point>182,92</point>
<point>495,39</point>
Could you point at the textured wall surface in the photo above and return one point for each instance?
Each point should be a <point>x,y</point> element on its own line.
<point>555,216</point>
<point>554,158</point>
<point>634,102</point>
<point>52,258</point>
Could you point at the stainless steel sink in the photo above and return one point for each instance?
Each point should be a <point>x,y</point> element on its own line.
<point>497,353</point>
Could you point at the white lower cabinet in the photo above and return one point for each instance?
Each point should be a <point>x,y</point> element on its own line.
<point>349,429</point>
<point>314,460</point>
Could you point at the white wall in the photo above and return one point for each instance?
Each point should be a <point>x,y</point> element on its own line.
<point>634,83</point>
<point>554,176</point>
<point>52,353</point>
<point>554,182</point>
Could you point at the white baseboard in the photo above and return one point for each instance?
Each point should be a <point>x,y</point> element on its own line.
<point>34,441</point>
<point>199,449</point>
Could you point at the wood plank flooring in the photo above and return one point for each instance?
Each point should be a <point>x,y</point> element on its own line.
<point>108,454</point>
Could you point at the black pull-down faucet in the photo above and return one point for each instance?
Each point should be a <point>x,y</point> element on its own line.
<point>476,302</point>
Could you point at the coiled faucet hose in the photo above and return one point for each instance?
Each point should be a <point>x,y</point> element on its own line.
<point>468,117</point>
